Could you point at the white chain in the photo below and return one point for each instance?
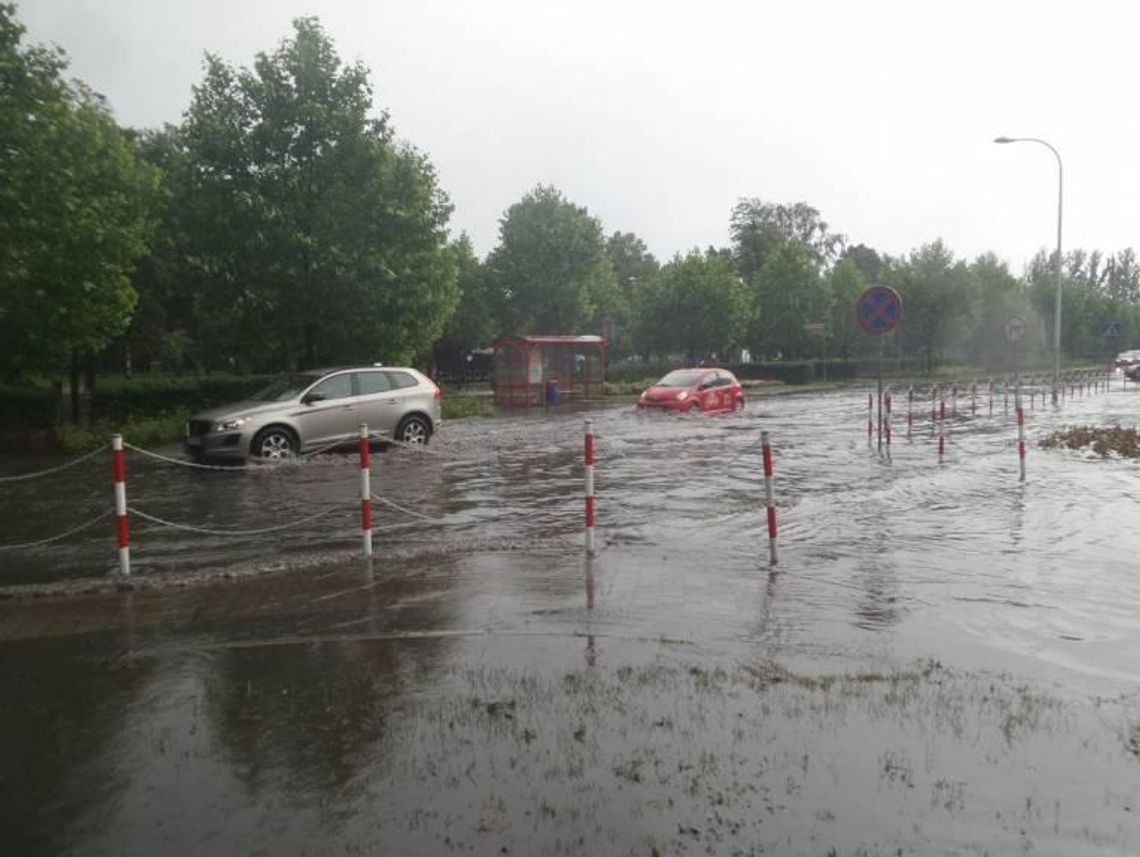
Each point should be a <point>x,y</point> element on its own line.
<point>193,464</point>
<point>156,520</point>
<point>346,442</point>
<point>399,508</point>
<point>21,477</point>
<point>420,448</point>
<point>60,537</point>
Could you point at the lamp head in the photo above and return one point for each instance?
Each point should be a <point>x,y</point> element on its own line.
<point>1003,140</point>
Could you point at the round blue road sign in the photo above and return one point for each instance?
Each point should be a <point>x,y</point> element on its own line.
<point>879,310</point>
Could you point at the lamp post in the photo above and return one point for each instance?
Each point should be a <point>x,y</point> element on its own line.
<point>1060,197</point>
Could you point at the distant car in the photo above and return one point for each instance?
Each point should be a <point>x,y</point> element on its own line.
<point>705,389</point>
<point>319,409</point>
<point>1132,373</point>
<point>1127,358</point>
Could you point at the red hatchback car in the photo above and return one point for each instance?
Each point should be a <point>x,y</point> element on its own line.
<point>694,390</point>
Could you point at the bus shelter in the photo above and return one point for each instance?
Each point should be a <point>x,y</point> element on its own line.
<point>546,370</point>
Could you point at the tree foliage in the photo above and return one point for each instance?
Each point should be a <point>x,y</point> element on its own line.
<point>313,236</point>
<point>758,228</point>
<point>549,271</point>
<point>74,204</point>
<point>696,306</point>
<point>787,293</point>
<point>476,319</point>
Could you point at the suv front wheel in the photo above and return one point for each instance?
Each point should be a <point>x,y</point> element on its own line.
<point>274,443</point>
<point>413,429</point>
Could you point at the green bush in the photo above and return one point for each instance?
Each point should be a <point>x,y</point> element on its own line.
<point>141,431</point>
<point>149,397</point>
<point>460,407</point>
<point>788,371</point>
<point>629,388</point>
<point>629,371</point>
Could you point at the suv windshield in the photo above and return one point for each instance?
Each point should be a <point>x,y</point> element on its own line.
<point>680,378</point>
<point>285,387</point>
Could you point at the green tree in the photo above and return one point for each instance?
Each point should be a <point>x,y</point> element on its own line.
<point>934,287</point>
<point>787,293</point>
<point>866,260</point>
<point>74,205</point>
<point>758,228</point>
<point>632,262</point>
<point>696,306</point>
<point>476,319</point>
<point>634,270</point>
<point>314,236</point>
<point>996,297</point>
<point>550,270</point>
<point>846,283</point>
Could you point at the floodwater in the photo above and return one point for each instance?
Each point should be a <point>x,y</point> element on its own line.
<point>944,661</point>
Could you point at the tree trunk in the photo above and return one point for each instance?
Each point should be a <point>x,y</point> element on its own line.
<point>73,377</point>
<point>89,375</point>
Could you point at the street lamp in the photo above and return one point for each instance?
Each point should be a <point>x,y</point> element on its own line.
<point>1057,312</point>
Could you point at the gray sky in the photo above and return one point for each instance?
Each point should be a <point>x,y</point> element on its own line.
<point>658,116</point>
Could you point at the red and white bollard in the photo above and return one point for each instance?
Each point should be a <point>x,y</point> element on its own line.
<point>870,418</point>
<point>1020,434</point>
<point>770,498</point>
<point>933,409</point>
<point>974,399</point>
<point>941,442</point>
<point>589,461</point>
<point>909,410</point>
<point>887,421</point>
<point>119,473</point>
<point>365,490</point>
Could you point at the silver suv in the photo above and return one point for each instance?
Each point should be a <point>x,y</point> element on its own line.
<point>319,409</point>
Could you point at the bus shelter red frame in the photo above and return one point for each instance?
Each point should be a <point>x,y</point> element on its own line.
<point>526,368</point>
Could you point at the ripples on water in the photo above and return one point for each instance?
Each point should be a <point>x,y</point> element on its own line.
<point>878,555</point>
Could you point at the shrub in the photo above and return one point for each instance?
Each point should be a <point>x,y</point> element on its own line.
<point>460,407</point>
<point>149,397</point>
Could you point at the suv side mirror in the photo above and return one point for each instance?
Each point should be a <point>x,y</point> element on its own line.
<point>310,398</point>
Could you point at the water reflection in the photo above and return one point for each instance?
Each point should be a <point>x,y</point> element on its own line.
<point>67,701</point>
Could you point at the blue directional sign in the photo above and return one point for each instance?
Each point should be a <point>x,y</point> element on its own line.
<point>879,310</point>
<point>1110,328</point>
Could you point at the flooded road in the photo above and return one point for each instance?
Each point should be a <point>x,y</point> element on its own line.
<point>944,661</point>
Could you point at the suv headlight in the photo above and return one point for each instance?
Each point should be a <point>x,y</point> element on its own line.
<point>230,425</point>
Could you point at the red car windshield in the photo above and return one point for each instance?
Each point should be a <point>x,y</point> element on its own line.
<point>681,378</point>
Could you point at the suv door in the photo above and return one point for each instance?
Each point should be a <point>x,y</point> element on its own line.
<point>334,418</point>
<point>379,405</point>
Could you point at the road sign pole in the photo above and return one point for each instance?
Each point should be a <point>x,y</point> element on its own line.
<point>880,388</point>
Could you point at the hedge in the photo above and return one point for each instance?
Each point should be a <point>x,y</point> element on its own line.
<point>119,400</point>
<point>149,397</point>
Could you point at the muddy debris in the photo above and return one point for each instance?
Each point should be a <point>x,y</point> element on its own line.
<point>1104,441</point>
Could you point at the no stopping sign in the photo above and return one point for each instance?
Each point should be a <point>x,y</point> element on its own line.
<point>879,310</point>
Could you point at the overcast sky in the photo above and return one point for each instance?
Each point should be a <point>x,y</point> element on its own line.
<point>658,116</point>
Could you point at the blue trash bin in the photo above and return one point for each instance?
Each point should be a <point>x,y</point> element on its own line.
<point>552,392</point>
